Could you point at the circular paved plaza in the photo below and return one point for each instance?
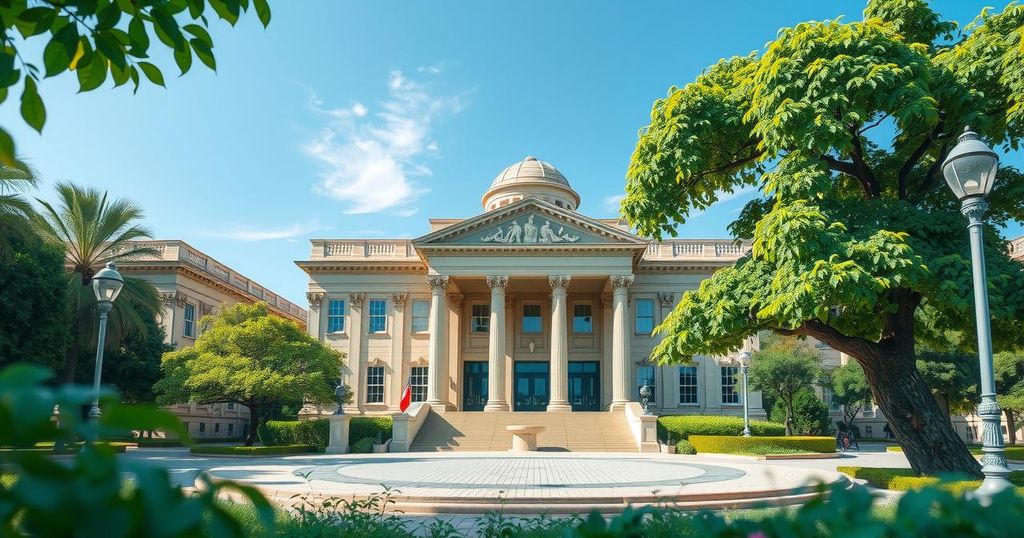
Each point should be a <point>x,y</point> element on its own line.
<point>534,482</point>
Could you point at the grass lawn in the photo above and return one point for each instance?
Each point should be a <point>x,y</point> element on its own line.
<point>905,479</point>
<point>118,446</point>
<point>1012,452</point>
<point>248,451</point>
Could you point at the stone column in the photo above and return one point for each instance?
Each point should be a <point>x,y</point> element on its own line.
<point>315,298</point>
<point>496,400</point>
<point>620,341</point>
<point>559,401</point>
<point>399,375</point>
<point>437,386</point>
<point>356,360</point>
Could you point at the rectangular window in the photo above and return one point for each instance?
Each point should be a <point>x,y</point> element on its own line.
<point>729,393</point>
<point>420,316</point>
<point>644,316</point>
<point>418,382</point>
<point>868,433</point>
<point>231,406</point>
<point>378,316</point>
<point>202,427</point>
<point>231,429</point>
<point>829,398</point>
<point>688,385</point>
<point>582,320</point>
<point>531,318</point>
<point>190,320</point>
<point>336,316</point>
<point>481,318</point>
<point>375,384</point>
<point>645,377</point>
<point>216,427</point>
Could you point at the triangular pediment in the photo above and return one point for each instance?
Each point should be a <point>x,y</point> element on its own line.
<point>528,224</point>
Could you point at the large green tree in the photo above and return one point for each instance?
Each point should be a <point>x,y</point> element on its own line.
<point>95,231</point>
<point>850,389</point>
<point>843,126</point>
<point>15,210</point>
<point>33,320</point>
<point>248,356</point>
<point>781,373</point>
<point>97,38</point>
<point>953,380</point>
<point>1009,373</point>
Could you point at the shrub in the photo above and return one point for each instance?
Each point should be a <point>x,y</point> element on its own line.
<point>370,427</point>
<point>684,447</point>
<point>253,450</point>
<point>363,446</point>
<point>295,432</point>
<point>810,414</point>
<point>761,445</point>
<point>683,426</point>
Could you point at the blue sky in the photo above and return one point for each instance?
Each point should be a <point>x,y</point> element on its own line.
<point>363,119</point>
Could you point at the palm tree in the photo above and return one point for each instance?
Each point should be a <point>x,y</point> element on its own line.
<point>95,231</point>
<point>16,213</point>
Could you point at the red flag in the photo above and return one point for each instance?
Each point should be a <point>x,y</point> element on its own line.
<point>406,398</point>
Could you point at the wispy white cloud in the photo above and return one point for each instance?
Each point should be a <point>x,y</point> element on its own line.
<point>371,159</point>
<point>245,233</point>
<point>435,69</point>
<point>611,203</point>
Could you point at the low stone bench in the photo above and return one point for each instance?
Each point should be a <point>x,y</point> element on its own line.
<point>524,437</point>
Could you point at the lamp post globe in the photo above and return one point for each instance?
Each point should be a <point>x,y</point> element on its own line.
<point>106,286</point>
<point>970,171</point>
<point>744,359</point>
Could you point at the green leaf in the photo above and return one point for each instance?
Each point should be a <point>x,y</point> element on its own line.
<point>6,150</point>
<point>139,38</point>
<point>200,33</point>
<point>32,109</point>
<point>196,7</point>
<point>60,50</point>
<point>8,74</point>
<point>262,11</point>
<point>204,53</point>
<point>152,72</point>
<point>107,17</point>
<point>35,20</point>
<point>133,74</point>
<point>183,57</point>
<point>111,48</point>
<point>120,75</point>
<point>166,25</point>
<point>92,74</point>
<point>227,10</point>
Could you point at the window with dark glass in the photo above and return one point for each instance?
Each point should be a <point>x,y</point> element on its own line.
<point>375,384</point>
<point>378,316</point>
<point>644,316</point>
<point>729,393</point>
<point>190,320</point>
<point>582,318</point>
<point>531,318</point>
<point>481,319</point>
<point>688,384</point>
<point>336,316</point>
<point>418,383</point>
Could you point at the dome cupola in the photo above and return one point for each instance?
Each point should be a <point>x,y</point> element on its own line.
<point>530,177</point>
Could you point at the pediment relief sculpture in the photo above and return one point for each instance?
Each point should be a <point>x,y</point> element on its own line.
<point>529,232</point>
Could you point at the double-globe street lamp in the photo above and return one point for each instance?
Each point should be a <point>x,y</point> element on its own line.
<point>744,359</point>
<point>106,285</point>
<point>970,170</point>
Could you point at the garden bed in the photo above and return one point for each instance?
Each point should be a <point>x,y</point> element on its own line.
<point>760,446</point>
<point>1015,453</point>
<point>906,479</point>
<point>254,451</point>
<point>676,427</point>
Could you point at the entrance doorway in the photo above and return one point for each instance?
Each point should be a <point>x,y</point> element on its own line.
<point>474,385</point>
<point>585,385</point>
<point>531,386</point>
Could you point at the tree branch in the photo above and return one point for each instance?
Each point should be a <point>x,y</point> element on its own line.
<point>863,172</point>
<point>915,157</point>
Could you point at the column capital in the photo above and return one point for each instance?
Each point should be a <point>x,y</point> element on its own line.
<point>667,299</point>
<point>315,298</point>
<point>497,281</point>
<point>437,283</point>
<point>559,282</point>
<point>356,299</point>
<point>606,300</point>
<point>455,300</point>
<point>398,299</point>
<point>621,282</point>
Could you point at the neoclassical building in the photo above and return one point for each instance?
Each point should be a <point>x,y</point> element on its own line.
<point>528,306</point>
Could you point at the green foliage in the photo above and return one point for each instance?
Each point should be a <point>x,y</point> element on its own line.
<point>1009,374</point>
<point>682,426</point>
<point>249,356</point>
<point>727,444</point>
<point>850,389</point>
<point>810,414</point>
<point>369,427</point>
<point>684,447</point>
<point>780,374</point>
<point>94,485</point>
<point>99,37</point>
<point>245,451</point>
<point>362,446</point>
<point>33,322</point>
<point>953,379</point>
<point>295,432</point>
<point>906,479</point>
<point>16,212</point>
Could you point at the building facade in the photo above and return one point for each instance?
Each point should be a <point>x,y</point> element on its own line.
<point>528,306</point>
<point>191,285</point>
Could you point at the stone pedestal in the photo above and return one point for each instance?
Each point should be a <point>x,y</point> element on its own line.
<point>338,438</point>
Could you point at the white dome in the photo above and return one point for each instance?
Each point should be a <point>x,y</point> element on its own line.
<point>530,177</point>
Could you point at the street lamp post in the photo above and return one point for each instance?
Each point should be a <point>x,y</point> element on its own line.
<point>970,171</point>
<point>744,359</point>
<point>106,285</point>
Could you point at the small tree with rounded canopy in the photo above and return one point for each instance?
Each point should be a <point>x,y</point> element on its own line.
<point>1009,372</point>
<point>844,126</point>
<point>254,358</point>
<point>850,390</point>
<point>781,374</point>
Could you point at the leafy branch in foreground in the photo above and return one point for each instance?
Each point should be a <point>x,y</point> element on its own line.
<point>97,38</point>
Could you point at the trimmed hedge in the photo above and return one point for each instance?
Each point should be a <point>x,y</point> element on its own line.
<point>722,444</point>
<point>317,432</point>
<point>683,426</point>
<point>684,447</point>
<point>1015,453</point>
<point>363,446</point>
<point>906,480</point>
<point>254,450</point>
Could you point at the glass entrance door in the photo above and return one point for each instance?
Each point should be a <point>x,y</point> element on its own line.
<point>585,386</point>
<point>531,386</point>
<point>474,385</point>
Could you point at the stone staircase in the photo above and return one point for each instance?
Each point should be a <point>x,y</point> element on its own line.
<point>564,432</point>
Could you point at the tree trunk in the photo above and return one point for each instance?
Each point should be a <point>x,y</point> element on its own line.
<point>254,423</point>
<point>915,418</point>
<point>1011,426</point>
